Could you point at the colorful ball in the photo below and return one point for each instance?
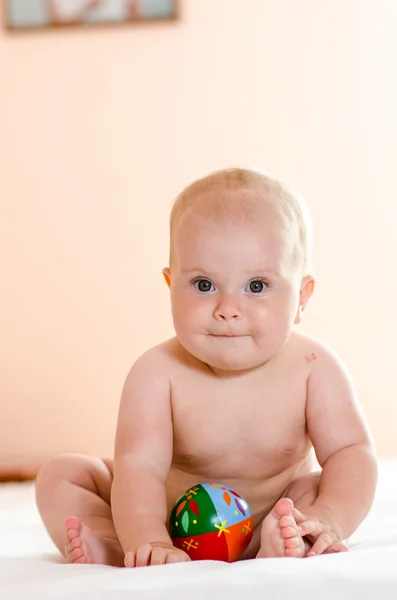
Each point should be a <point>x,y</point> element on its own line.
<point>211,521</point>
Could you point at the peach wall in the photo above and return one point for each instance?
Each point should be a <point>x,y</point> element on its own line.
<point>100,129</point>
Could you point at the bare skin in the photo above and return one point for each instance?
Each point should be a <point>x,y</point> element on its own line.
<point>281,459</point>
<point>238,397</point>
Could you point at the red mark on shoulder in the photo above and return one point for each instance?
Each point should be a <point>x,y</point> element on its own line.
<point>310,357</point>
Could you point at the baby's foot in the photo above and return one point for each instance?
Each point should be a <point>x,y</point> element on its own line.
<point>82,545</point>
<point>280,535</point>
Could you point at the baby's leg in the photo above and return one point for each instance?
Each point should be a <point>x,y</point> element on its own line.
<point>279,533</point>
<point>73,498</point>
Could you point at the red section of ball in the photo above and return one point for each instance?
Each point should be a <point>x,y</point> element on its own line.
<point>227,546</point>
<point>207,546</point>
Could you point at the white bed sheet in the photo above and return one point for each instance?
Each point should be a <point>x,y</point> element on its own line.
<point>31,567</point>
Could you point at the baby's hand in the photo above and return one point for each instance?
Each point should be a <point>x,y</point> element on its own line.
<point>322,527</point>
<point>156,553</point>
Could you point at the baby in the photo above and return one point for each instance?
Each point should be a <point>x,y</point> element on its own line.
<point>238,396</point>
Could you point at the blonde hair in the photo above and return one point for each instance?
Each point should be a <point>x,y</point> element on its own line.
<point>255,190</point>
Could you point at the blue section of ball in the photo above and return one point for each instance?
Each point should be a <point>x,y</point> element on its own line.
<point>225,512</point>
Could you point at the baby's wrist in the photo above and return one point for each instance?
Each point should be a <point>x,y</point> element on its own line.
<point>331,518</point>
<point>150,538</point>
<point>145,531</point>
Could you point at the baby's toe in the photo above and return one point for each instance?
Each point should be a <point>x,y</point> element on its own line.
<point>73,527</point>
<point>75,543</point>
<point>293,542</point>
<point>73,533</point>
<point>76,554</point>
<point>287,521</point>
<point>288,532</point>
<point>293,552</point>
<point>283,508</point>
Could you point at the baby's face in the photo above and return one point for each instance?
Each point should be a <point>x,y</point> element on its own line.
<point>235,290</point>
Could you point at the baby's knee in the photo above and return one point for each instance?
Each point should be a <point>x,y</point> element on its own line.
<point>61,467</point>
<point>82,471</point>
<point>304,490</point>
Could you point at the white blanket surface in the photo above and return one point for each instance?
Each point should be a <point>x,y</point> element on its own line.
<point>31,567</point>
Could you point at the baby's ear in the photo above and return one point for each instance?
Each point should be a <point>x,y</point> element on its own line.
<point>307,289</point>
<point>167,276</point>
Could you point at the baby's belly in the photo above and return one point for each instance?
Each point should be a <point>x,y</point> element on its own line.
<point>261,493</point>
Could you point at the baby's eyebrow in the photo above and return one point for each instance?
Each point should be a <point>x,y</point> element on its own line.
<point>247,272</point>
<point>197,270</point>
<point>264,269</point>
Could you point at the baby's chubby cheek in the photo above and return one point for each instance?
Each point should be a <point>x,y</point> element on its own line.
<point>191,314</point>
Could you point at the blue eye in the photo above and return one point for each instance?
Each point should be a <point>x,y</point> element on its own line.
<point>203,285</point>
<point>257,286</point>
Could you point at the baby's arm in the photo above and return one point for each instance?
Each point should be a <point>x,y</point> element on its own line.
<point>344,449</point>
<point>143,454</point>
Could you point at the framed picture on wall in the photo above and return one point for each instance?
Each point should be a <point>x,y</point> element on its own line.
<point>39,14</point>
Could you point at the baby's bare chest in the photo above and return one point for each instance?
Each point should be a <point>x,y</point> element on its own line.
<point>243,428</point>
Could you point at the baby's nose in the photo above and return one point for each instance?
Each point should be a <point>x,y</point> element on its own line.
<point>227,309</point>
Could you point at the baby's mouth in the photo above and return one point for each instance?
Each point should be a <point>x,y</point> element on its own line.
<point>227,335</point>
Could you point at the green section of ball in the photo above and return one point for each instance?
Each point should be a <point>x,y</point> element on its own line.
<point>196,514</point>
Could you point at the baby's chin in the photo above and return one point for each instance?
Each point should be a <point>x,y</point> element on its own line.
<point>230,359</point>
<point>233,367</point>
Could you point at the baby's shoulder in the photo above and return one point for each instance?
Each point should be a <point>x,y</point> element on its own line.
<point>321,362</point>
<point>311,349</point>
<point>162,358</point>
